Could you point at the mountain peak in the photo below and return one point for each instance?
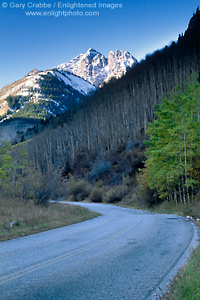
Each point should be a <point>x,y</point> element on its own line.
<point>92,51</point>
<point>96,68</point>
<point>34,72</point>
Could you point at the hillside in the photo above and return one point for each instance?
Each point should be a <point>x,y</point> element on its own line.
<point>99,144</point>
<point>41,95</point>
<point>120,111</point>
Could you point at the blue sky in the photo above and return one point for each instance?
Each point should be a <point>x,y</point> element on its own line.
<point>140,27</point>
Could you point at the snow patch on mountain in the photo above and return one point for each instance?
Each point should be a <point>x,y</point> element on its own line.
<point>56,89</point>
<point>33,88</point>
<point>77,83</point>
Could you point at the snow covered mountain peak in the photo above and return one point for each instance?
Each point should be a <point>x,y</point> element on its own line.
<point>96,68</point>
<point>52,91</point>
<point>55,90</point>
<point>92,51</point>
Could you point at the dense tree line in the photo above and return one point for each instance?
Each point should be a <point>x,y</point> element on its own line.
<point>173,154</point>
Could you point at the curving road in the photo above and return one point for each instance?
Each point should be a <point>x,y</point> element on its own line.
<point>123,254</point>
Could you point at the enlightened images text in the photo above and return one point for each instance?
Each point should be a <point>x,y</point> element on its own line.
<point>65,5</point>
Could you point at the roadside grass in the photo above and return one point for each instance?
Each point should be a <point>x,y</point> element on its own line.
<point>31,218</point>
<point>192,209</point>
<point>137,202</point>
<point>186,286</point>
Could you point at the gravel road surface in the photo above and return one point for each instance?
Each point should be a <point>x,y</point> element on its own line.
<point>123,254</point>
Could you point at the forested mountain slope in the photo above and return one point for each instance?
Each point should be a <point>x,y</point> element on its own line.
<point>41,95</point>
<point>119,112</point>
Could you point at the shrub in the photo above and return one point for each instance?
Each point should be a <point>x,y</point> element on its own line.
<point>80,190</point>
<point>97,195</point>
<point>145,194</point>
<point>130,145</point>
<point>42,196</point>
<point>117,194</point>
<point>101,168</point>
<point>121,147</point>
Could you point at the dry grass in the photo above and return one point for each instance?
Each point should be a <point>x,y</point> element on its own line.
<point>32,219</point>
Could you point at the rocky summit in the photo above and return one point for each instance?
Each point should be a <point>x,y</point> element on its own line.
<point>96,68</point>
<point>41,94</point>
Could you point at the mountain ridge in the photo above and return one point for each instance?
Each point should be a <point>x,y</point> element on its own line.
<point>96,68</point>
<point>55,90</point>
<point>126,106</point>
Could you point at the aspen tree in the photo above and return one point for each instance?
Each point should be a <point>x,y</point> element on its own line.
<point>173,154</point>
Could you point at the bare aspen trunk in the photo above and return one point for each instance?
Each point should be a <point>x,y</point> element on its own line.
<point>191,159</point>
<point>180,193</point>
<point>185,154</point>
<point>175,198</point>
<point>14,181</point>
<point>192,194</point>
<point>72,146</point>
<point>183,184</point>
<point>171,199</point>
